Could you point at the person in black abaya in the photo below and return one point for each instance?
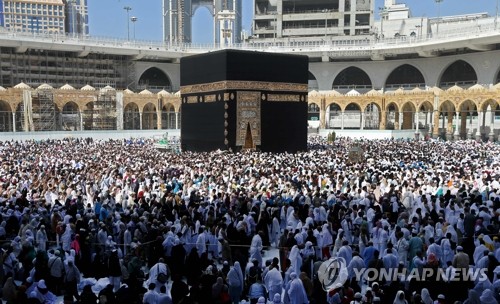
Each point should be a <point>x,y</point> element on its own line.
<point>177,259</point>
<point>179,290</point>
<point>193,267</point>
<point>263,225</point>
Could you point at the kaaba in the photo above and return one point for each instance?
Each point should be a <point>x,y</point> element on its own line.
<point>241,100</point>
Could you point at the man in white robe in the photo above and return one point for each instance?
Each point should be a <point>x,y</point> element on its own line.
<point>201,243</point>
<point>157,268</point>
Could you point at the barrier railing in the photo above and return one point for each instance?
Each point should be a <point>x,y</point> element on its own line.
<point>368,44</point>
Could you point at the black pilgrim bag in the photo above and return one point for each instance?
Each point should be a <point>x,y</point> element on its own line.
<point>161,277</point>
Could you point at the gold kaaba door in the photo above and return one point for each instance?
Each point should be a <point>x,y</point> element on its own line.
<point>249,139</point>
<point>248,119</point>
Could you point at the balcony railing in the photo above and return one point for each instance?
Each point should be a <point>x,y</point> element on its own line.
<point>396,45</point>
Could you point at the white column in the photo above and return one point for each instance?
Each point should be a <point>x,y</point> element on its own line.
<point>342,120</point>
<point>479,122</point>
<point>81,121</point>
<point>492,124</point>
<point>416,122</point>
<point>362,120</point>
<point>400,120</point>
<point>177,120</point>
<point>457,124</point>
<point>140,120</point>
<point>471,126</point>
<point>14,121</point>
<point>222,40</point>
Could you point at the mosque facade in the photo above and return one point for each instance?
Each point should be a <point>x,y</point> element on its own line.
<point>444,83</point>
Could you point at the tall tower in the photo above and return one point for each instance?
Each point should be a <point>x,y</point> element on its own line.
<point>77,20</point>
<point>177,20</point>
<point>37,16</point>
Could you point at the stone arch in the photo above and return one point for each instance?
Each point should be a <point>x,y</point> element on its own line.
<point>405,75</point>
<point>447,106</point>
<point>459,73</point>
<point>88,115</point>
<point>312,82</point>
<point>488,111</point>
<point>392,116</point>
<point>333,116</point>
<point>373,116</point>
<point>408,110</point>
<point>149,117</point>
<point>488,103</point>
<point>168,119</point>
<point>5,117</point>
<point>446,116</point>
<point>352,116</point>
<point>468,115</point>
<point>131,117</point>
<point>313,111</point>
<point>154,79</point>
<point>70,117</point>
<point>497,80</point>
<point>352,78</point>
<point>425,115</point>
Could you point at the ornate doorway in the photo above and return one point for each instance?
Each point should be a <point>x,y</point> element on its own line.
<point>249,139</point>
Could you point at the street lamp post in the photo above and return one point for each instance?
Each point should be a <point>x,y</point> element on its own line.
<point>128,9</point>
<point>382,16</point>
<point>496,15</point>
<point>439,15</point>
<point>326,11</point>
<point>134,20</point>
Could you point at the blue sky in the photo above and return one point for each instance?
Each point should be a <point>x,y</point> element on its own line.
<point>108,18</point>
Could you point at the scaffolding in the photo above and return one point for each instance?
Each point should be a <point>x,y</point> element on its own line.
<point>57,68</point>
<point>180,23</point>
<point>104,112</point>
<point>43,116</point>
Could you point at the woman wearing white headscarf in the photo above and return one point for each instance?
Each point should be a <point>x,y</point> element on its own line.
<point>41,238</point>
<point>66,238</point>
<point>326,241</point>
<point>448,252</point>
<point>338,241</point>
<point>16,245</point>
<point>274,282</point>
<point>296,291</point>
<point>487,297</point>
<point>400,298</point>
<point>473,297</point>
<point>308,255</point>
<point>426,296</point>
<point>291,220</point>
<point>296,259</point>
<point>454,236</point>
<point>256,248</point>
<point>235,282</point>
<point>275,231</point>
